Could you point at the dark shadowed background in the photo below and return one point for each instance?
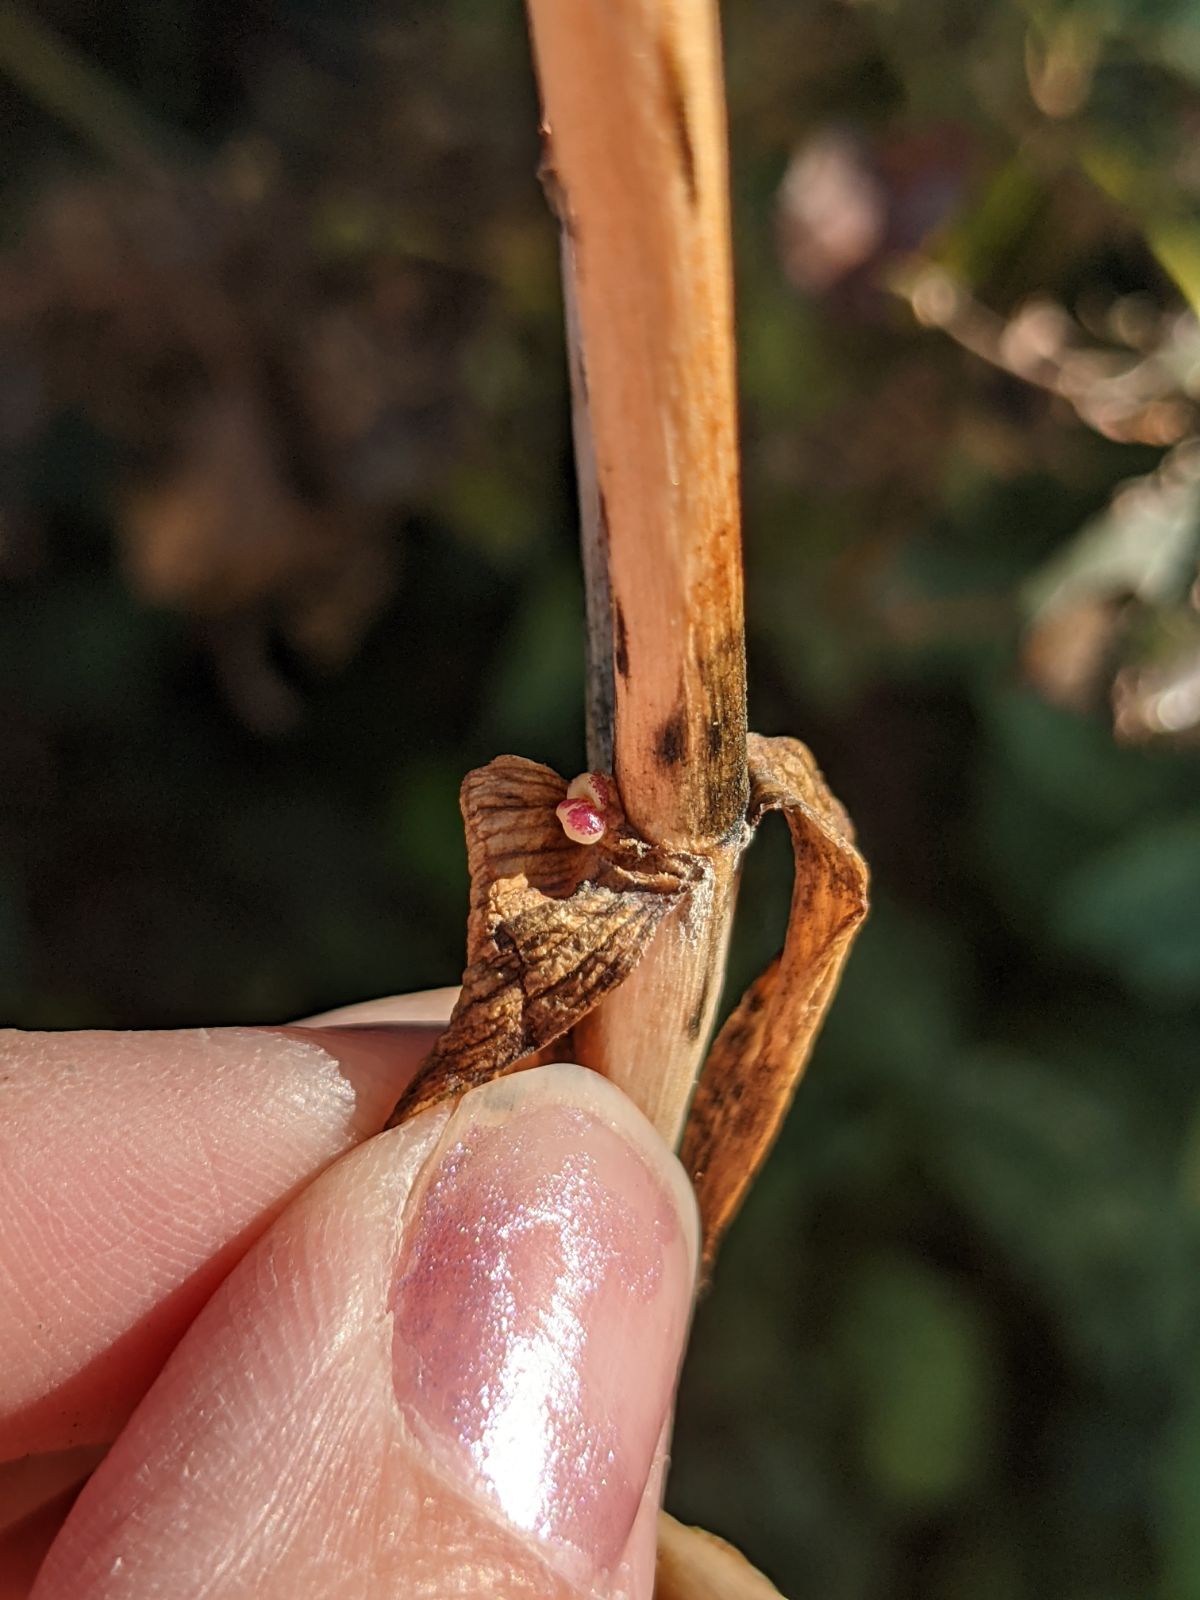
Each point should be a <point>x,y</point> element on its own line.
<point>287,543</point>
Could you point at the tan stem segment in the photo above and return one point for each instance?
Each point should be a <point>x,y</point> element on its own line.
<point>650,1036</point>
<point>634,122</point>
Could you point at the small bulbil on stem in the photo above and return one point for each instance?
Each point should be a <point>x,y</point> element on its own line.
<point>590,808</point>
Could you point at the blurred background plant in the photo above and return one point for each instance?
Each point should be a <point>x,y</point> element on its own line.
<point>287,543</point>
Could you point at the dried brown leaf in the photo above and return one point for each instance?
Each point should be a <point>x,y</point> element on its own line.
<point>553,925</point>
<point>695,1565</point>
<point>759,1055</point>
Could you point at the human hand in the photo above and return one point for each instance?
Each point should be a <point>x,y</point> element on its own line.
<point>446,1367</point>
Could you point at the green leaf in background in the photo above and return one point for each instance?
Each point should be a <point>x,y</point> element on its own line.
<point>1084,1209</point>
<point>920,1372</point>
<point>1134,908</point>
<point>1180,1525</point>
<point>534,702</point>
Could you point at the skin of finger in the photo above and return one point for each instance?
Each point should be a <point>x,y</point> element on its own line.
<point>23,1547</point>
<point>271,1458</point>
<point>36,1493</point>
<point>25,1543</point>
<point>29,1483</point>
<point>428,1005</point>
<point>135,1169</point>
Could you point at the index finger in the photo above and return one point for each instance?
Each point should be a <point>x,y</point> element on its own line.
<point>135,1170</point>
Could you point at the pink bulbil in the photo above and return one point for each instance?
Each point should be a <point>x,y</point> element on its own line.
<point>584,813</point>
<point>593,787</point>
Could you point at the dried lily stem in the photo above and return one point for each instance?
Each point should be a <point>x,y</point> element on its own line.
<point>602,932</point>
<point>635,132</point>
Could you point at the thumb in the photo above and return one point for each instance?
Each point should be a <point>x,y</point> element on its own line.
<point>447,1369</point>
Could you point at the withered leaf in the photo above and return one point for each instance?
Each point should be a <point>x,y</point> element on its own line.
<point>759,1055</point>
<point>553,925</point>
<point>695,1565</point>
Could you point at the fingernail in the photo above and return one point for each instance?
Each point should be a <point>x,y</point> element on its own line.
<point>542,1298</point>
<point>429,1006</point>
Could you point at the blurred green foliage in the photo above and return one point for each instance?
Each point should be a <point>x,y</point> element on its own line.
<point>954,1347</point>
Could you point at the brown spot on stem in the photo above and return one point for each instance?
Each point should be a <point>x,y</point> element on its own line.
<point>671,745</point>
<point>621,632</point>
<point>579,367</point>
<point>722,671</point>
<point>551,181</point>
<point>678,115</point>
<point>696,1020</point>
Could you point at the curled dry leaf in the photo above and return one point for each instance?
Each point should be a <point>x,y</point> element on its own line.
<point>695,1565</point>
<point>759,1055</point>
<point>554,925</point>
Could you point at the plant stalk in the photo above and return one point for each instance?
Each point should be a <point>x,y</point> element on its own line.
<point>634,123</point>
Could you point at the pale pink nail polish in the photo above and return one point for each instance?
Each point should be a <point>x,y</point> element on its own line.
<point>543,1293</point>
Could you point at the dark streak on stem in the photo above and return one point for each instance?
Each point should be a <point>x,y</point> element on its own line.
<point>696,1020</point>
<point>594,540</point>
<point>723,675</point>
<point>671,744</point>
<point>621,652</point>
<point>601,687</point>
<point>677,112</point>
